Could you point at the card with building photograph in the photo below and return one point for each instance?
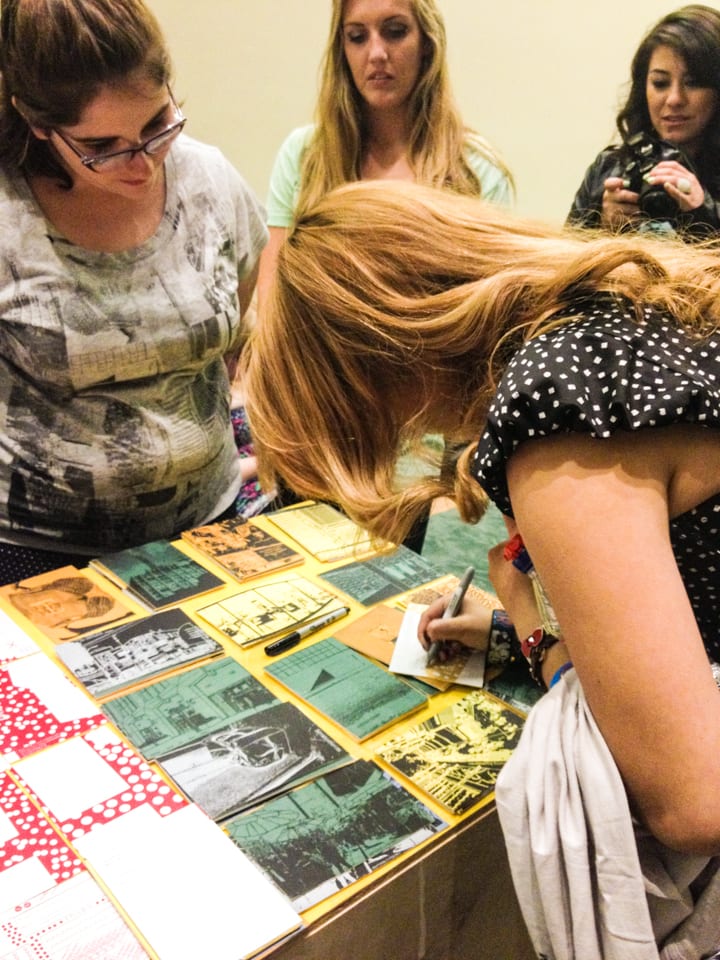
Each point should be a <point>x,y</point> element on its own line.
<point>250,759</point>
<point>157,575</point>
<point>322,530</point>
<point>327,834</point>
<point>133,652</point>
<point>381,577</point>
<point>270,609</point>
<point>176,710</point>
<point>456,755</point>
<point>360,696</point>
<point>242,548</point>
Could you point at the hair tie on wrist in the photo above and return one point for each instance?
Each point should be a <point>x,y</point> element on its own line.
<point>558,674</point>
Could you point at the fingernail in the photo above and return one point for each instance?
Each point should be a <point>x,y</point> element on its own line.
<point>648,179</point>
<point>626,184</point>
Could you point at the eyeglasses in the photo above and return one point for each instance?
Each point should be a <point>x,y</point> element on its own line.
<point>107,162</point>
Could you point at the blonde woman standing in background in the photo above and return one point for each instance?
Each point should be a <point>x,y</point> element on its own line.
<point>385,111</point>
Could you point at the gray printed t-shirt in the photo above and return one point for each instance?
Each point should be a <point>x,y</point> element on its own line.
<point>114,398</point>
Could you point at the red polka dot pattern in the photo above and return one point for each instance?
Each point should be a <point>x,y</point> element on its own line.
<point>34,836</point>
<point>27,724</point>
<point>142,786</point>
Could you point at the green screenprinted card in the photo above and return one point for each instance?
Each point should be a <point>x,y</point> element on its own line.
<point>183,707</point>
<point>329,833</point>
<point>352,691</point>
<point>157,574</point>
<point>374,580</point>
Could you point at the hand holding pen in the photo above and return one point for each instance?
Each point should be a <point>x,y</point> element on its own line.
<point>451,610</point>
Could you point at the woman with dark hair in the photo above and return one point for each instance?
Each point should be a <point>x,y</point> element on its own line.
<point>664,176</point>
<point>128,252</point>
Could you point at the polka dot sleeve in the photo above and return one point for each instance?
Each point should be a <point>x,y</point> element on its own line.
<point>604,371</point>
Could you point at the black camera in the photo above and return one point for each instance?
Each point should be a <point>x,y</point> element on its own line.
<point>645,153</point>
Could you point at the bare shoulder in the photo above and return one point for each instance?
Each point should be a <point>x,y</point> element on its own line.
<point>682,460</point>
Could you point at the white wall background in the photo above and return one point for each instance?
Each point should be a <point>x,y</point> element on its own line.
<point>541,79</point>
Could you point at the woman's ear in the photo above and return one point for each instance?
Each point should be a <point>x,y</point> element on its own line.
<point>40,132</point>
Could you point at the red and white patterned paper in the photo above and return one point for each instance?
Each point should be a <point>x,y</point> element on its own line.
<point>14,642</point>
<point>40,706</point>
<point>73,921</point>
<point>91,781</point>
<point>33,856</point>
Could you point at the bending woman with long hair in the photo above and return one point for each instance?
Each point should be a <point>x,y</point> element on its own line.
<point>584,377</point>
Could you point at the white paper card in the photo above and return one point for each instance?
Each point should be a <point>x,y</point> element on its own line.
<point>14,642</point>
<point>409,657</point>
<point>186,886</point>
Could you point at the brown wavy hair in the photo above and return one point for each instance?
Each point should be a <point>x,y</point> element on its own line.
<point>394,312</point>
<point>693,33</point>
<point>438,137</point>
<point>55,55</point>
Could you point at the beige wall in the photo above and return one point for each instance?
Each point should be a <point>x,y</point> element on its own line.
<point>540,78</point>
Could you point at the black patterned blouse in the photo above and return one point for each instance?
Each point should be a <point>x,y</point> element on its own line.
<point>602,373</point>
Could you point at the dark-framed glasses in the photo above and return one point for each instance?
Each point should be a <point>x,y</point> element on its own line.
<point>107,162</point>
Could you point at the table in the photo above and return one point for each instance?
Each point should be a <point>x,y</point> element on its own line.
<point>455,901</point>
<point>452,899</point>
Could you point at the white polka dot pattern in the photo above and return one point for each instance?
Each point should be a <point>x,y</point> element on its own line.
<point>27,835</point>
<point>141,787</point>
<point>606,372</point>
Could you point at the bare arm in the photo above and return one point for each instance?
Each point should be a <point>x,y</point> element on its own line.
<point>594,516</point>
<point>268,260</point>
<point>246,289</point>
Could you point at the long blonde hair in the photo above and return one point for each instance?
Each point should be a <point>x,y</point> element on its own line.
<point>438,139</point>
<point>396,306</point>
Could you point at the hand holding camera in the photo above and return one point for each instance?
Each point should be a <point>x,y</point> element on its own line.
<point>620,205</point>
<point>656,182</point>
<point>679,182</point>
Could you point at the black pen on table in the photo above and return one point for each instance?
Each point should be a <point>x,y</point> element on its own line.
<point>454,604</point>
<point>294,638</point>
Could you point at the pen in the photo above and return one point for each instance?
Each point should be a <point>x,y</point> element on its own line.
<point>451,610</point>
<point>294,638</point>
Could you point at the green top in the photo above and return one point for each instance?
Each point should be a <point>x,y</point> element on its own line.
<point>285,177</point>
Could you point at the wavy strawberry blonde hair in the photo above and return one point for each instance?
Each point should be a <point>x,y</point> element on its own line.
<point>394,311</point>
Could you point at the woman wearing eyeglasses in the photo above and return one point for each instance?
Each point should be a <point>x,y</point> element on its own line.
<point>128,252</point>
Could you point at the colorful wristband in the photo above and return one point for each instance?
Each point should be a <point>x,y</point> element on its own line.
<point>558,674</point>
<point>503,641</point>
<point>534,649</point>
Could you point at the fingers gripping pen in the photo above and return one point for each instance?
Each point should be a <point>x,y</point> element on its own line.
<point>516,554</point>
